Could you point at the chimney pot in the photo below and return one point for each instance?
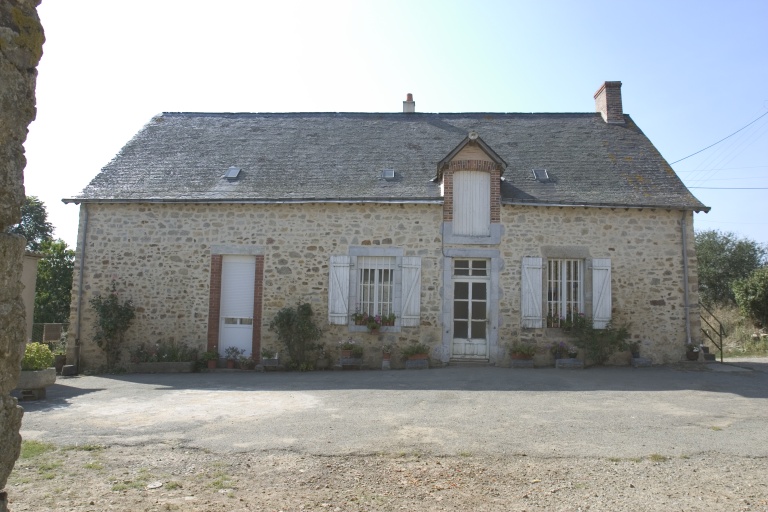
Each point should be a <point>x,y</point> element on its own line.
<point>608,102</point>
<point>409,106</point>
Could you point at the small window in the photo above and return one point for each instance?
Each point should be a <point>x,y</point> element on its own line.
<point>230,321</point>
<point>565,297</point>
<point>476,268</point>
<point>232,173</point>
<point>541,175</point>
<point>376,282</point>
<point>388,174</point>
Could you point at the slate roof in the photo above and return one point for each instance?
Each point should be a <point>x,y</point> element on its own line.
<point>340,156</point>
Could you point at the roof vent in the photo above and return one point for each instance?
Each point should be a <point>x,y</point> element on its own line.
<point>388,174</point>
<point>541,175</point>
<point>232,173</point>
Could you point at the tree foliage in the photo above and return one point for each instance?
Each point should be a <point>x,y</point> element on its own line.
<point>112,321</point>
<point>297,331</point>
<point>723,259</point>
<point>34,225</point>
<point>54,282</point>
<point>752,295</point>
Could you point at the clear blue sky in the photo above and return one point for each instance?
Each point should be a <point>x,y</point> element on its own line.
<point>693,73</point>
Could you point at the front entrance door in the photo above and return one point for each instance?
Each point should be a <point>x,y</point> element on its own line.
<point>238,275</point>
<point>470,309</point>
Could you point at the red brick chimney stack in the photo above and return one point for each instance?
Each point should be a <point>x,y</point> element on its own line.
<point>409,106</point>
<point>608,102</point>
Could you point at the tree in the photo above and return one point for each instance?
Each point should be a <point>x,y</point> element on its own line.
<point>752,295</point>
<point>723,259</point>
<point>34,225</point>
<point>54,282</point>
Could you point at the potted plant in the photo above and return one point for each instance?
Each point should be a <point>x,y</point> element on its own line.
<point>210,357</point>
<point>386,351</point>
<point>246,363</point>
<point>59,350</point>
<point>692,352</point>
<point>359,318</point>
<point>233,354</point>
<point>522,351</point>
<point>36,371</point>
<point>269,357</point>
<point>416,356</point>
<point>374,324</point>
<point>634,348</point>
<point>347,347</point>
<point>388,320</point>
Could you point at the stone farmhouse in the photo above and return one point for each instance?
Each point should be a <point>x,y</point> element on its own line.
<point>475,230</point>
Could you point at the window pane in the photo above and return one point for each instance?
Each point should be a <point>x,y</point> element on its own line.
<point>461,291</point>
<point>230,321</point>
<point>375,285</point>
<point>460,329</point>
<point>478,310</point>
<point>479,267</point>
<point>461,267</point>
<point>461,309</point>
<point>478,291</point>
<point>564,291</point>
<point>478,329</point>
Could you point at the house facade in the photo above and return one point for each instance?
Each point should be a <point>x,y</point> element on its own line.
<point>474,230</point>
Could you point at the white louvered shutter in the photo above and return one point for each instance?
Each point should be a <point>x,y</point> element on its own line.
<point>238,274</point>
<point>601,292</point>
<point>471,203</point>
<point>410,315</point>
<point>338,290</point>
<point>531,292</point>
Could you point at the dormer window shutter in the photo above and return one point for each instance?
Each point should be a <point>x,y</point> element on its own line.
<point>471,203</point>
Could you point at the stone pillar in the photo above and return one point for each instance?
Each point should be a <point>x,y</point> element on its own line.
<point>21,46</point>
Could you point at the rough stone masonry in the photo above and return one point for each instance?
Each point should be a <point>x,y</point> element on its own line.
<point>21,46</point>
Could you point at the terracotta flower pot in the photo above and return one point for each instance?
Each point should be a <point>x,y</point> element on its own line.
<point>212,364</point>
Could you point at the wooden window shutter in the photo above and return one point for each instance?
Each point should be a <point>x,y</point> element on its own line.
<point>531,292</point>
<point>471,203</point>
<point>601,292</point>
<point>338,290</point>
<point>410,314</point>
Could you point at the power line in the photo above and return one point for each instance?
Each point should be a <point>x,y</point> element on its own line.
<point>721,140</point>
<point>733,188</point>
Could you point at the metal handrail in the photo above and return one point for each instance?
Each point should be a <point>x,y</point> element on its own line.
<point>719,328</point>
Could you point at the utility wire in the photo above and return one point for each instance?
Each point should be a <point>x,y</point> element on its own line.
<point>721,140</point>
<point>733,188</point>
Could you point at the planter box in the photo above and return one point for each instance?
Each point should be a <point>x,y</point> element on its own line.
<point>417,364</point>
<point>32,384</point>
<point>522,363</point>
<point>162,367</point>
<point>569,363</point>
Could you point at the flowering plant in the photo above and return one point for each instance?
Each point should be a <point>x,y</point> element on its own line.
<point>374,322</point>
<point>348,344</point>
<point>562,349</point>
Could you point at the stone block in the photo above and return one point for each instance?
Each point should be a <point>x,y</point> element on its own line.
<point>639,362</point>
<point>68,370</point>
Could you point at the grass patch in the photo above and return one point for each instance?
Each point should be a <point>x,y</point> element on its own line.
<point>655,457</point>
<point>94,465</point>
<point>716,429</point>
<point>738,340</point>
<point>30,449</point>
<point>173,485</point>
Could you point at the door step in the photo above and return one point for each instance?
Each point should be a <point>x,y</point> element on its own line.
<point>469,362</point>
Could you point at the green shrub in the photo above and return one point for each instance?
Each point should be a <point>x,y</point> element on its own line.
<point>752,296</point>
<point>414,349</point>
<point>600,344</point>
<point>297,331</point>
<point>112,322</point>
<point>37,356</point>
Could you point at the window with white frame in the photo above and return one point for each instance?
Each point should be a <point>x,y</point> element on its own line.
<point>565,295</point>
<point>562,288</point>
<point>376,282</point>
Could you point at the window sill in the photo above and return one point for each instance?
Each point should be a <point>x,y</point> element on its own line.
<point>362,328</point>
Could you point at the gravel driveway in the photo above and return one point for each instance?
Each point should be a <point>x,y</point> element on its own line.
<point>600,412</point>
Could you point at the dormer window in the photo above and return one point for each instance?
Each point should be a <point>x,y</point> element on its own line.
<point>471,203</point>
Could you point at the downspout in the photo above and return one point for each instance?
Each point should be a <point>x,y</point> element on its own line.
<point>80,285</point>
<point>685,280</point>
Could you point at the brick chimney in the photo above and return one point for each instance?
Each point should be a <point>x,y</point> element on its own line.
<point>409,106</point>
<point>608,102</point>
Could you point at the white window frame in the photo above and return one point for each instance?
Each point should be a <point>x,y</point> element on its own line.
<point>345,290</point>
<point>565,290</point>
<point>534,290</point>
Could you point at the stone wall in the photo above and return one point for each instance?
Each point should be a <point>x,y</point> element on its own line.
<point>160,256</point>
<point>21,46</point>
